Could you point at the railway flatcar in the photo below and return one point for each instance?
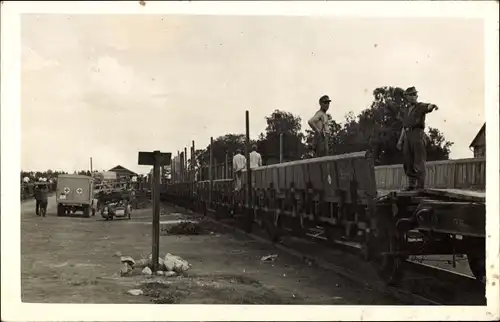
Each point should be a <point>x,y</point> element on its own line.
<point>339,195</point>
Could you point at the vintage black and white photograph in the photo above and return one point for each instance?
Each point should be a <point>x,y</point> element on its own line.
<point>171,157</point>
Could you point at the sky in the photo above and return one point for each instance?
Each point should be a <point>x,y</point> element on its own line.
<point>108,86</point>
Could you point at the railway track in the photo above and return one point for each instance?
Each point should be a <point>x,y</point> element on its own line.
<point>423,284</point>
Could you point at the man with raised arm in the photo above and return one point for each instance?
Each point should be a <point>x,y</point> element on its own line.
<point>412,139</point>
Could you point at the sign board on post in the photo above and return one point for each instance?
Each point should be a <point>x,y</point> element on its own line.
<point>148,158</point>
<point>157,160</point>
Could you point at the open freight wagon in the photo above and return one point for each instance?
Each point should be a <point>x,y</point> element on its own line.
<point>339,194</point>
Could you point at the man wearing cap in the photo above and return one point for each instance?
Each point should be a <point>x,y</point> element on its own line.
<point>319,124</point>
<point>412,139</point>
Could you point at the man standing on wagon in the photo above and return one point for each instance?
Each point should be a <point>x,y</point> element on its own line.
<point>239,163</point>
<point>412,139</point>
<point>319,124</point>
<point>255,158</point>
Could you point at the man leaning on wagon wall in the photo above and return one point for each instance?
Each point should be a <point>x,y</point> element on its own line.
<point>239,163</point>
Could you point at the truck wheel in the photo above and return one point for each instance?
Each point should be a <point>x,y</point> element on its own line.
<point>86,212</point>
<point>60,210</point>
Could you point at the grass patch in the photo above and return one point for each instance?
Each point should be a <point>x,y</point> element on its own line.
<point>185,228</point>
<point>211,289</point>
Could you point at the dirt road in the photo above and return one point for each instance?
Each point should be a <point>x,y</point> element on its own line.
<point>74,260</point>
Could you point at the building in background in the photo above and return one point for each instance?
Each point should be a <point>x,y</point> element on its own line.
<point>123,173</point>
<point>478,145</point>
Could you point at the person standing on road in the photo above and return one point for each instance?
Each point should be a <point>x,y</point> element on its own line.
<point>37,193</point>
<point>255,158</point>
<point>412,139</point>
<point>41,198</point>
<point>239,163</point>
<point>319,124</point>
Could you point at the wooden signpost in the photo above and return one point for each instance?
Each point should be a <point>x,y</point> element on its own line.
<point>157,160</point>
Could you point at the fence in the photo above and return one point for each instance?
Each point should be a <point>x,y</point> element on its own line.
<point>449,174</point>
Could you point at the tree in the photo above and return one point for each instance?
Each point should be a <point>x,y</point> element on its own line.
<point>439,148</point>
<point>224,144</point>
<point>268,144</point>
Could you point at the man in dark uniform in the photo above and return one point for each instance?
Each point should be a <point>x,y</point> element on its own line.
<point>413,139</point>
<point>41,197</point>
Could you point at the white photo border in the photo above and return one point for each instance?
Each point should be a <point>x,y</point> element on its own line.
<point>13,309</point>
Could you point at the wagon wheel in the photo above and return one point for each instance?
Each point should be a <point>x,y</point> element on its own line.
<point>476,258</point>
<point>217,212</point>
<point>248,219</point>
<point>257,216</point>
<point>383,239</point>
<point>271,229</point>
<point>332,233</point>
<point>60,210</point>
<point>297,221</point>
<point>368,253</point>
<point>477,266</point>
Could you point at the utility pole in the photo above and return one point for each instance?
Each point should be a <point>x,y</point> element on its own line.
<point>248,190</point>
<point>281,147</point>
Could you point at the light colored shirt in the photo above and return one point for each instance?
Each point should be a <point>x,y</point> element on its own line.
<point>320,120</point>
<point>255,159</point>
<point>239,162</point>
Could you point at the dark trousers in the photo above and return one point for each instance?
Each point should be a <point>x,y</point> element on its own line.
<point>415,157</point>
<point>40,204</point>
<point>321,145</point>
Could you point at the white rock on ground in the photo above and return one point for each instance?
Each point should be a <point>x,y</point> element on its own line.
<point>135,292</point>
<point>270,258</point>
<point>175,263</point>
<point>170,274</point>
<point>147,271</point>
<point>160,273</point>
<point>127,259</point>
